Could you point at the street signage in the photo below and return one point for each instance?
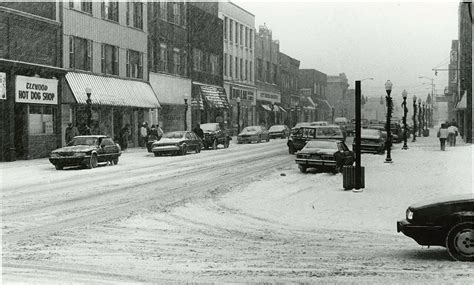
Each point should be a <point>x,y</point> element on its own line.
<point>36,90</point>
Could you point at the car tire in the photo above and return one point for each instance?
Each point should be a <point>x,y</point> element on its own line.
<point>302,168</point>
<point>259,139</point>
<point>226,143</point>
<point>115,160</point>
<point>268,138</point>
<point>291,150</point>
<point>58,167</point>
<point>184,150</point>
<point>460,241</point>
<point>198,148</point>
<point>214,144</point>
<point>156,153</point>
<point>92,161</point>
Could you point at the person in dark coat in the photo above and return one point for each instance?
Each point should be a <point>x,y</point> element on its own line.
<point>71,132</point>
<point>124,134</point>
<point>198,131</point>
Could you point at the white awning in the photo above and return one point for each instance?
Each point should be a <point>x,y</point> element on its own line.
<point>312,102</point>
<point>112,91</point>
<point>170,90</point>
<point>266,107</point>
<point>462,104</point>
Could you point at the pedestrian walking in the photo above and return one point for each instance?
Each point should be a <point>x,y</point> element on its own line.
<point>198,131</point>
<point>124,134</point>
<point>442,135</point>
<point>452,134</point>
<point>144,134</point>
<point>71,132</point>
<point>159,131</point>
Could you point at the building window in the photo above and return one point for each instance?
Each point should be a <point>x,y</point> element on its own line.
<point>163,58</point>
<point>246,37</point>
<point>198,60</point>
<point>268,72</point>
<point>151,56</point>
<point>246,69</point>
<point>225,28</point>
<point>214,63</point>
<point>241,69</point>
<point>275,74</point>
<point>177,13</point>
<point>41,119</point>
<point>241,34</point>
<point>176,61</point>
<point>110,10</point>
<point>134,64</point>
<point>237,68</point>
<point>137,15</point>
<point>80,53</point>
<point>250,71</point>
<point>236,33</point>
<point>259,69</point>
<point>231,25</point>
<point>184,63</point>
<point>251,39</point>
<point>231,66</point>
<point>109,59</point>
<point>84,6</point>
<point>163,10</point>
<point>225,64</point>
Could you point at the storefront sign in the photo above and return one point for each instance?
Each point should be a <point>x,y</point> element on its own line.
<point>36,90</point>
<point>271,97</point>
<point>3,86</point>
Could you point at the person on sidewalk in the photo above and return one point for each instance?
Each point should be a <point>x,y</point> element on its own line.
<point>452,134</point>
<point>71,132</point>
<point>124,134</point>
<point>198,131</point>
<point>442,135</point>
<point>144,134</point>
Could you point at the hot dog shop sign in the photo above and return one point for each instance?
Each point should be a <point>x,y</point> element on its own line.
<point>36,90</point>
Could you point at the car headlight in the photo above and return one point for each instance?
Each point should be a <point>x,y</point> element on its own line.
<point>79,154</point>
<point>409,215</point>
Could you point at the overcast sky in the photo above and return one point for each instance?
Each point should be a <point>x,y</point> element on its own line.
<point>399,41</point>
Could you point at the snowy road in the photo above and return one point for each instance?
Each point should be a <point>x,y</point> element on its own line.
<point>225,216</point>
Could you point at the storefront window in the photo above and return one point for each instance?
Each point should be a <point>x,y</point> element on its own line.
<point>41,119</point>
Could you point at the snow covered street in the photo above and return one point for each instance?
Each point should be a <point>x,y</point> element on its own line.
<point>242,214</point>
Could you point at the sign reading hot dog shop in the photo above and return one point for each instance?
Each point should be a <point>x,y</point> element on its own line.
<point>36,90</point>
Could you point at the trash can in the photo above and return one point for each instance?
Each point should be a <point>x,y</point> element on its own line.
<point>349,177</point>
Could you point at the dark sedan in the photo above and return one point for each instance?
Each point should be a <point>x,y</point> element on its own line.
<point>178,142</point>
<point>447,222</point>
<point>279,131</point>
<point>86,151</point>
<point>371,141</point>
<point>253,134</point>
<point>325,155</point>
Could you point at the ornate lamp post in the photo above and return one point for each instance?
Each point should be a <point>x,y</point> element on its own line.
<point>423,116</point>
<point>388,89</point>
<point>414,118</point>
<point>405,126</point>
<point>238,115</point>
<point>89,106</point>
<point>420,121</point>
<point>185,114</point>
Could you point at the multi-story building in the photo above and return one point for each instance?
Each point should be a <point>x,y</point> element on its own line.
<point>267,78</point>
<point>104,49</point>
<point>289,88</point>
<point>337,96</point>
<point>239,60</point>
<point>313,84</point>
<point>451,91</point>
<point>209,99</point>
<point>464,101</point>
<point>30,79</point>
<point>168,62</point>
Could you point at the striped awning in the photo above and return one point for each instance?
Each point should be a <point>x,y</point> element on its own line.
<point>111,91</point>
<point>214,96</point>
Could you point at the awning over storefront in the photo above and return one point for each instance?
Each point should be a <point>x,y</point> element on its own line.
<point>214,96</point>
<point>170,90</point>
<point>324,104</point>
<point>266,107</point>
<point>112,91</point>
<point>462,104</point>
<point>312,102</point>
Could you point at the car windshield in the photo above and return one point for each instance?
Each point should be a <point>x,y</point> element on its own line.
<point>174,135</point>
<point>83,141</point>
<point>209,127</point>
<point>276,128</point>
<point>370,132</point>
<point>321,144</point>
<point>250,130</point>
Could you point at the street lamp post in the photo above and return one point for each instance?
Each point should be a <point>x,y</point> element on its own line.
<point>423,116</point>
<point>89,107</point>
<point>420,122</point>
<point>238,115</point>
<point>405,126</point>
<point>414,118</point>
<point>388,89</point>
<point>185,114</point>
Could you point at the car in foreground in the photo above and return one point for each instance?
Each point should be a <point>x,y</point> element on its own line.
<point>279,131</point>
<point>178,142</point>
<point>325,155</point>
<point>371,141</point>
<point>86,151</point>
<point>301,136</point>
<point>446,222</point>
<point>214,135</point>
<point>253,134</point>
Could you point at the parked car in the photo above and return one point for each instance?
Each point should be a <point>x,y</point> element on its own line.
<point>301,136</point>
<point>178,142</point>
<point>298,126</point>
<point>86,151</point>
<point>319,123</point>
<point>447,222</point>
<point>253,134</point>
<point>397,133</point>
<point>371,141</point>
<point>215,135</point>
<point>342,122</point>
<point>350,127</point>
<point>328,155</point>
<point>279,131</point>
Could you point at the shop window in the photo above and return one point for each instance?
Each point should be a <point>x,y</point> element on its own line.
<point>109,59</point>
<point>41,119</point>
<point>80,53</point>
<point>110,10</point>
<point>134,64</point>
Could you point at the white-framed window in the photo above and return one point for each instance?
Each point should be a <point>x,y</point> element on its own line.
<point>84,6</point>
<point>225,64</point>
<point>137,15</point>
<point>80,53</point>
<point>163,57</point>
<point>109,59</point>
<point>110,10</point>
<point>231,66</point>
<point>225,28</point>
<point>214,64</point>
<point>163,10</point>
<point>237,67</point>
<point>177,13</point>
<point>176,61</point>
<point>134,64</point>
<point>41,119</point>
